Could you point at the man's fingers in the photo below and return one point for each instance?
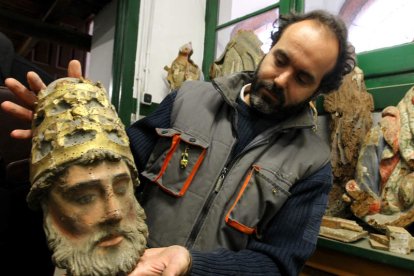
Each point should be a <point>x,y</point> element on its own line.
<point>35,82</point>
<point>20,91</point>
<point>152,252</point>
<point>171,270</point>
<point>74,69</point>
<point>17,111</point>
<point>21,134</point>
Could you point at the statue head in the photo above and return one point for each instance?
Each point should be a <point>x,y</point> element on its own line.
<point>83,177</point>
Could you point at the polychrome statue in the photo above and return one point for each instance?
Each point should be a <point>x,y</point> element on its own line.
<point>350,110</point>
<point>242,53</point>
<point>182,68</point>
<point>382,192</point>
<point>83,177</point>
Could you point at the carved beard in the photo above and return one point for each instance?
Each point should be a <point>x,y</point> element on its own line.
<point>86,260</point>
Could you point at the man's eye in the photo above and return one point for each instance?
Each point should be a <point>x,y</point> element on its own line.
<point>302,79</point>
<point>280,62</point>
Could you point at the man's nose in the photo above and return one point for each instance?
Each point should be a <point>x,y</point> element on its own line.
<point>283,78</point>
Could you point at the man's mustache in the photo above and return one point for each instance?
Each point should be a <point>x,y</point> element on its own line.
<point>274,89</point>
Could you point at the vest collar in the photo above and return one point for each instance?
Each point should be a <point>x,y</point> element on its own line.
<point>231,86</point>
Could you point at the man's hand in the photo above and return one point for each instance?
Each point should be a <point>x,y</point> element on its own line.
<point>167,261</point>
<point>29,97</point>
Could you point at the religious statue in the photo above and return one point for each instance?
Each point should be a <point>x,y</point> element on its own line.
<point>242,53</point>
<point>182,68</point>
<point>350,110</point>
<point>382,192</point>
<point>83,178</point>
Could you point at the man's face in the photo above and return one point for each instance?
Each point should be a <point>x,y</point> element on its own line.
<point>290,73</point>
<point>93,222</point>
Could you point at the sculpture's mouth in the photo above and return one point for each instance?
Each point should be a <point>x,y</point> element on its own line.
<point>110,240</point>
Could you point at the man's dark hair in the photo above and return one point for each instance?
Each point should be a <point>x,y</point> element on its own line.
<point>346,57</point>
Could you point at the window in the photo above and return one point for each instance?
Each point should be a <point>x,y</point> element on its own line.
<point>372,24</point>
<point>257,16</point>
<point>261,25</point>
<point>232,9</point>
<point>382,36</point>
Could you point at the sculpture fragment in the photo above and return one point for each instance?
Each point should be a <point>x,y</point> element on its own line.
<point>242,53</point>
<point>182,68</point>
<point>83,178</point>
<point>350,110</point>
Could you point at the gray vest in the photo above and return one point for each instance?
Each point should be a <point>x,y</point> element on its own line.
<point>202,200</point>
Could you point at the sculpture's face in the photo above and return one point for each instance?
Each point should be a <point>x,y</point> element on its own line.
<point>93,222</point>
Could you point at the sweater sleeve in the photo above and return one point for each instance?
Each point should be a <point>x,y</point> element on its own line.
<point>142,135</point>
<point>288,242</point>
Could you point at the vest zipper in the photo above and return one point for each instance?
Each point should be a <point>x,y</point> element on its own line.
<point>203,215</point>
<point>220,180</point>
<point>206,208</point>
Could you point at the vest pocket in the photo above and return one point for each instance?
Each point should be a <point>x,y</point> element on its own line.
<point>262,194</point>
<point>175,161</point>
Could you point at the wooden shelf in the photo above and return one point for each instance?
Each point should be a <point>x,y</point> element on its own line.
<point>358,258</point>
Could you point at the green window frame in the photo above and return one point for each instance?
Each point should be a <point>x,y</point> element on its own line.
<point>212,27</point>
<point>123,65</point>
<point>389,73</point>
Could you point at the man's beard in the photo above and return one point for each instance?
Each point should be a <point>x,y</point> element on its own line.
<point>268,106</point>
<point>84,259</point>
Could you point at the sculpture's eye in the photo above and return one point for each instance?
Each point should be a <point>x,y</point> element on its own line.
<point>81,195</point>
<point>121,188</point>
<point>85,199</point>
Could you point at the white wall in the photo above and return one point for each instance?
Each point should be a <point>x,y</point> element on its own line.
<point>164,27</point>
<point>100,58</point>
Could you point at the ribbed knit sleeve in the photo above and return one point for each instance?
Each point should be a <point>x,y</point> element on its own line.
<point>287,243</point>
<point>142,135</point>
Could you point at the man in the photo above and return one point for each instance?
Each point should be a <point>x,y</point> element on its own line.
<point>83,177</point>
<point>235,178</point>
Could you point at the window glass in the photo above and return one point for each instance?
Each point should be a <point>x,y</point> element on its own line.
<point>261,24</point>
<point>328,5</point>
<point>382,24</point>
<point>232,9</point>
<point>372,24</point>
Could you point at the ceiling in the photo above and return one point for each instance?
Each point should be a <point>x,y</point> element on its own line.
<point>66,22</point>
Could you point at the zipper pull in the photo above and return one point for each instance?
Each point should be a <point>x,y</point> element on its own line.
<point>184,158</point>
<point>220,180</point>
